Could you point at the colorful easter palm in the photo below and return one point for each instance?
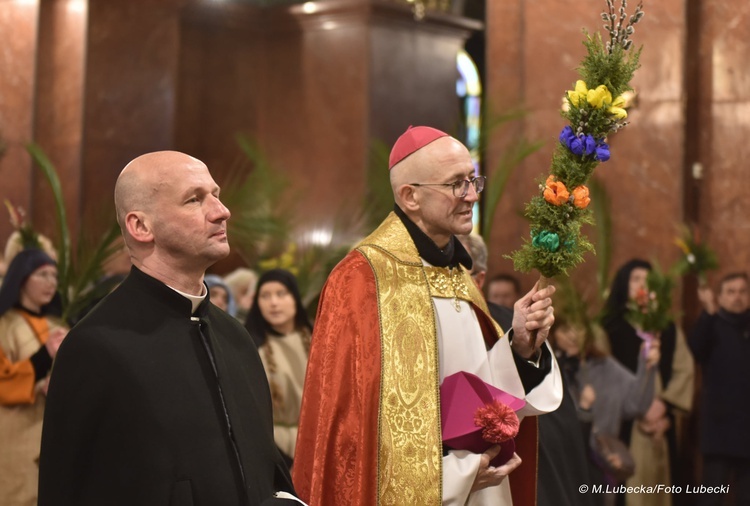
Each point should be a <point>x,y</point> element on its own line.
<point>595,108</point>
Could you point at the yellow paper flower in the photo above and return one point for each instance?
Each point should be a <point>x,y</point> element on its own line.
<point>599,97</point>
<point>580,93</point>
<point>617,108</point>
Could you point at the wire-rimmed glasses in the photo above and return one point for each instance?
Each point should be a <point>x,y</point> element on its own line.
<point>461,187</point>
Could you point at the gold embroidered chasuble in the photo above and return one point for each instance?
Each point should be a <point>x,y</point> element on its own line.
<point>410,443</point>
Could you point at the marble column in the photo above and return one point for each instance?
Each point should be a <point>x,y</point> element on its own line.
<point>58,108</point>
<point>130,89</point>
<point>344,73</point>
<point>18,26</point>
<point>723,131</point>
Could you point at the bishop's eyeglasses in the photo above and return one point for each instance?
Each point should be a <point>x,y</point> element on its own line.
<point>461,187</point>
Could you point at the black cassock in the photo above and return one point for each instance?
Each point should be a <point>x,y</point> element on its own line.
<point>151,405</point>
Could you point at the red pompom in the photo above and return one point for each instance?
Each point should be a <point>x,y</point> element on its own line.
<point>498,421</point>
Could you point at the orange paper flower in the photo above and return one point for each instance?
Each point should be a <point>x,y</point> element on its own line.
<point>555,192</point>
<point>581,197</point>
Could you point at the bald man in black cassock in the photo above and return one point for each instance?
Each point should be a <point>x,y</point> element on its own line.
<point>159,397</point>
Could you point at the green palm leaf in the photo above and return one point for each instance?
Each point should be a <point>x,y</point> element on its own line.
<point>63,248</point>
<point>603,232</point>
<point>77,275</point>
<point>90,259</point>
<point>255,195</point>
<point>378,194</point>
<point>511,158</point>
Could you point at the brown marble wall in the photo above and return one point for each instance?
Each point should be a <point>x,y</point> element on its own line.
<point>131,83</point>
<point>644,176</point>
<point>313,115</point>
<point>58,110</point>
<point>219,82</point>
<point>18,26</point>
<point>413,72</point>
<point>725,127</point>
<point>341,76</point>
<point>125,77</point>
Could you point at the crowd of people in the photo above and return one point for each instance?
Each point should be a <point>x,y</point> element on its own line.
<point>187,388</point>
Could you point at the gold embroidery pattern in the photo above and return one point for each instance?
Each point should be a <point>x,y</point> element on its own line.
<point>448,283</point>
<point>410,447</point>
<point>392,238</point>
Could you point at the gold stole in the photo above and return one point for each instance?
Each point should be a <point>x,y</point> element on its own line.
<point>409,433</point>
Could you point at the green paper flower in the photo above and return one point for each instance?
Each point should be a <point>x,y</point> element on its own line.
<point>547,240</point>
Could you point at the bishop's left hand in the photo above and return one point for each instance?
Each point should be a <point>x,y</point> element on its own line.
<point>533,315</point>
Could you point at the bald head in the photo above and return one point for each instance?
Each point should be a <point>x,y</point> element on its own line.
<point>432,163</point>
<point>171,217</point>
<point>141,180</point>
<point>423,185</point>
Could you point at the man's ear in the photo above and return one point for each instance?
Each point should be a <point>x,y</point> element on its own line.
<point>138,226</point>
<point>479,277</point>
<point>407,198</point>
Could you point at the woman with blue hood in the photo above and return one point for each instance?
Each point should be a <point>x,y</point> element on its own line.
<point>29,339</point>
<point>220,294</point>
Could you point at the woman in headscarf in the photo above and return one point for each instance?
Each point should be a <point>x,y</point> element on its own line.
<point>29,339</point>
<point>242,282</point>
<point>281,329</point>
<point>220,293</point>
<point>653,438</point>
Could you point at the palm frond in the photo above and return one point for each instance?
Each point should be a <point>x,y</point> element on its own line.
<point>600,205</point>
<point>378,194</point>
<point>511,158</point>
<point>253,192</point>
<point>91,256</point>
<point>491,122</point>
<point>697,257</point>
<point>77,273</point>
<point>63,247</point>
<point>574,304</point>
<point>316,248</point>
<point>499,178</point>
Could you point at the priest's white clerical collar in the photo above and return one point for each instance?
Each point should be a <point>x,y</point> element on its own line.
<point>195,300</point>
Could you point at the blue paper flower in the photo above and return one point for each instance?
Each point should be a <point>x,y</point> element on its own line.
<point>589,145</point>
<point>566,135</point>
<point>602,152</point>
<point>575,145</point>
<point>584,145</point>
